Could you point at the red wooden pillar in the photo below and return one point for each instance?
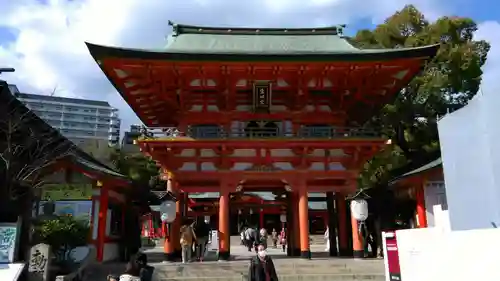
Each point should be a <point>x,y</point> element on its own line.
<point>341,207</point>
<point>224,235</point>
<point>305,251</point>
<point>357,240</point>
<point>421,212</point>
<point>101,223</point>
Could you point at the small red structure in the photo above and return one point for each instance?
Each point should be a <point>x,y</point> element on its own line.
<point>262,110</point>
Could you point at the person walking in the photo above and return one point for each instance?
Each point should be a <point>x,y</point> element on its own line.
<point>274,238</point>
<point>250,238</point>
<point>263,237</point>
<point>262,267</point>
<point>187,238</point>
<point>283,239</point>
<point>201,231</point>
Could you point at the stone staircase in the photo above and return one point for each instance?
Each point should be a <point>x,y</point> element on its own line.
<point>288,270</point>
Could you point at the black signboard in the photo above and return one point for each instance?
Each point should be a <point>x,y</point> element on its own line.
<point>262,95</point>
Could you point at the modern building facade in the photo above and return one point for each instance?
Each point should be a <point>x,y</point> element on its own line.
<point>80,120</point>
<point>129,137</point>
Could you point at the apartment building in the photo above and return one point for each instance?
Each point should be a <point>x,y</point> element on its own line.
<point>80,120</point>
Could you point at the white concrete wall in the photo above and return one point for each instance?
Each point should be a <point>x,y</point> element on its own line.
<point>432,254</point>
<point>471,163</point>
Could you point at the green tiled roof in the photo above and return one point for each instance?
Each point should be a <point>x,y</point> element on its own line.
<point>199,43</point>
<point>434,164</point>
<point>219,40</point>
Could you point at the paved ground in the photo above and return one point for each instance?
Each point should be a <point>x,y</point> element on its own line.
<point>321,267</point>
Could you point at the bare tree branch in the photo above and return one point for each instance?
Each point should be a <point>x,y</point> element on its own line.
<point>29,148</point>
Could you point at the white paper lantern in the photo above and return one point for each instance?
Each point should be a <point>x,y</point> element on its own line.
<point>207,219</point>
<point>359,209</point>
<point>251,212</point>
<point>168,211</point>
<point>283,218</point>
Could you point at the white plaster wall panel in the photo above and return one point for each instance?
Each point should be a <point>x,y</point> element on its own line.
<point>337,152</point>
<point>129,84</point>
<point>244,152</point>
<point>208,166</point>
<point>212,108</point>
<point>310,108</point>
<point>95,215</point>
<point>120,73</point>
<point>318,152</point>
<point>278,108</point>
<point>188,166</point>
<point>288,127</point>
<point>117,196</point>
<point>196,107</point>
<point>280,152</point>
<point>111,252</point>
<point>281,83</point>
<point>195,82</point>
<point>211,83</point>
<point>335,166</point>
<point>317,166</point>
<point>236,127</point>
<point>312,83</point>
<point>239,166</point>
<point>263,152</point>
<point>207,153</point>
<point>188,152</point>
<point>109,217</point>
<point>241,83</point>
<point>243,108</point>
<point>325,108</point>
<point>327,82</point>
<point>283,166</point>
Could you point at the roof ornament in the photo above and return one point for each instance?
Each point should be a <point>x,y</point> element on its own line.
<point>6,69</point>
<point>175,28</point>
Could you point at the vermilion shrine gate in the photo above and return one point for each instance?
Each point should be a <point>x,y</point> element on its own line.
<point>278,110</point>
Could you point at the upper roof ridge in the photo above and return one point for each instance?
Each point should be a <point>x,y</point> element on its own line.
<point>179,29</point>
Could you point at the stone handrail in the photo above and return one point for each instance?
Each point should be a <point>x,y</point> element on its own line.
<point>78,274</point>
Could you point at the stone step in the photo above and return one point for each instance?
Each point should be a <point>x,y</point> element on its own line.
<point>302,277</point>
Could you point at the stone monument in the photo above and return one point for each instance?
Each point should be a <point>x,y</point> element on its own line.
<point>39,263</point>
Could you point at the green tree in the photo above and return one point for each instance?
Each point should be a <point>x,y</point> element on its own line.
<point>136,166</point>
<point>448,82</point>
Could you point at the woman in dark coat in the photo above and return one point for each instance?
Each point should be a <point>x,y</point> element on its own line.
<point>262,267</point>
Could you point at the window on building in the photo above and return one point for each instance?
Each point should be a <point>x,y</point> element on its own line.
<point>57,107</point>
<point>104,119</point>
<point>69,108</point>
<point>101,126</point>
<point>90,133</point>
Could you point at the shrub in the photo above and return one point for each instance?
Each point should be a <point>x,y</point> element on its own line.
<point>63,234</point>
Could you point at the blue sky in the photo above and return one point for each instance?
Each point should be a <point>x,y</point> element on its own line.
<point>44,39</point>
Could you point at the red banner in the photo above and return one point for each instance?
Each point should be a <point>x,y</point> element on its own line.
<point>391,256</point>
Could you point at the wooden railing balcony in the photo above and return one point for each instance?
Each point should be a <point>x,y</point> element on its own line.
<point>263,133</point>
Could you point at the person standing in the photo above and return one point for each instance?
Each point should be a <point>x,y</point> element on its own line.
<point>250,238</point>
<point>262,267</point>
<point>327,239</point>
<point>187,238</point>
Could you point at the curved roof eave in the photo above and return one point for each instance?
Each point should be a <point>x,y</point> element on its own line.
<point>101,52</point>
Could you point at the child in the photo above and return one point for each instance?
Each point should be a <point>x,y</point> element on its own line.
<point>283,239</point>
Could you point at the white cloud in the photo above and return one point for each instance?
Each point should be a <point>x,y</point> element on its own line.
<point>50,51</point>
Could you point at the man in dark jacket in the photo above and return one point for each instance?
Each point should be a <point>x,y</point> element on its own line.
<point>202,231</point>
<point>262,267</point>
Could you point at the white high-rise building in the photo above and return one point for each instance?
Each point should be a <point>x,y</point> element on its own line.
<point>82,121</point>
